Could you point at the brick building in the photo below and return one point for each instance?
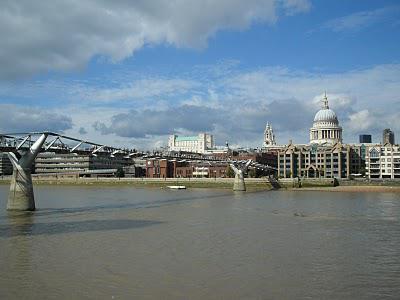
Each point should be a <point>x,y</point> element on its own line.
<point>325,161</point>
<point>163,168</point>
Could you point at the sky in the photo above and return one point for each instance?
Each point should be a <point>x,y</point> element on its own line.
<point>130,73</point>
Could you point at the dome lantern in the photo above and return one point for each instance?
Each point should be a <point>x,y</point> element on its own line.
<point>325,102</point>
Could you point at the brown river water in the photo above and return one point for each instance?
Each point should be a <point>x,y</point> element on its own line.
<point>137,243</point>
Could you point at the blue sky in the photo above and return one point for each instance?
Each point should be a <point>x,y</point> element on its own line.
<point>131,72</point>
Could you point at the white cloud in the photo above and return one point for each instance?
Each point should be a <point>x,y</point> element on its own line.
<point>360,20</point>
<point>15,118</point>
<point>234,105</point>
<point>42,36</point>
<point>139,89</point>
<point>340,101</point>
<point>360,121</point>
<point>296,6</point>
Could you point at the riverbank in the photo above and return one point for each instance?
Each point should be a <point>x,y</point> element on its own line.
<point>354,189</point>
<point>220,183</point>
<point>327,185</point>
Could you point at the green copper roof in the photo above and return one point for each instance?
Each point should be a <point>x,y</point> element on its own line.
<point>186,138</point>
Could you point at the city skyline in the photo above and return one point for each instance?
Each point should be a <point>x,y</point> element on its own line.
<point>227,71</point>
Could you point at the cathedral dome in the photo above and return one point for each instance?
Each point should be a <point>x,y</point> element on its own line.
<point>326,115</point>
<point>326,129</point>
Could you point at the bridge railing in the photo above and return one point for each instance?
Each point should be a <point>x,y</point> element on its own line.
<point>57,143</point>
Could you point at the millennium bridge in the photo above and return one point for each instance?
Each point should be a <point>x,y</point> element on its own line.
<point>22,149</point>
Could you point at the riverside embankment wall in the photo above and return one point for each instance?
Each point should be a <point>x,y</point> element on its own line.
<point>263,183</point>
<point>372,182</point>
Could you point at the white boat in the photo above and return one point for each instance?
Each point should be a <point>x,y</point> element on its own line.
<point>176,187</point>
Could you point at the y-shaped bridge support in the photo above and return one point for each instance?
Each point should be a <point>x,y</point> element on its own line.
<point>21,189</point>
<point>238,184</point>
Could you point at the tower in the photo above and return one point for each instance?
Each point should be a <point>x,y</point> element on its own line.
<point>269,137</point>
<point>388,137</point>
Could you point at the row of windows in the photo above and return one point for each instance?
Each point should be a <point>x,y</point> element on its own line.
<point>388,160</point>
<point>310,154</point>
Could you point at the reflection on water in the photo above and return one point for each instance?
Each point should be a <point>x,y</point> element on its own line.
<point>20,223</point>
<point>27,228</point>
<point>123,243</point>
<point>20,258</point>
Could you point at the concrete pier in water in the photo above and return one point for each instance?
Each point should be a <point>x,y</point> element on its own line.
<point>239,184</point>
<point>21,195</point>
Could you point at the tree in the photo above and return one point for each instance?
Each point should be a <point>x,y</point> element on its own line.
<point>362,171</point>
<point>120,173</point>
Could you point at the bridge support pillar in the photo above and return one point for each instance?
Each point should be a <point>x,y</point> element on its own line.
<point>238,184</point>
<point>21,190</point>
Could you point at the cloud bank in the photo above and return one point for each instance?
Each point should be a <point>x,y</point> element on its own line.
<point>14,118</point>
<point>363,19</point>
<point>229,102</point>
<point>47,35</point>
<point>236,107</point>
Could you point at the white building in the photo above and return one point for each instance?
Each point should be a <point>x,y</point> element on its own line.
<point>383,161</point>
<point>269,136</point>
<point>197,144</point>
<point>326,129</point>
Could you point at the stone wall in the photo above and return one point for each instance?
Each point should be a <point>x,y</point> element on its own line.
<point>318,182</point>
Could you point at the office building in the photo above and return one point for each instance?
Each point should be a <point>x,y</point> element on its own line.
<point>50,162</point>
<point>6,167</point>
<point>383,161</point>
<point>197,144</point>
<point>319,161</point>
<point>365,139</point>
<point>387,137</point>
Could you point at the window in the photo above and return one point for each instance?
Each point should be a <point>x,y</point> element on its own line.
<point>374,153</point>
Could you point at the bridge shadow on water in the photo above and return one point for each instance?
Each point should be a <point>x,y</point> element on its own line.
<point>117,206</point>
<point>24,225</point>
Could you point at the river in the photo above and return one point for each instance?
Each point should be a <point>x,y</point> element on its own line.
<point>138,243</point>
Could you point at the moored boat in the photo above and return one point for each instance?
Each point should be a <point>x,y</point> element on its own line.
<point>176,187</point>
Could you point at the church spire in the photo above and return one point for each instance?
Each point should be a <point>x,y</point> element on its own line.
<point>325,102</point>
<point>269,136</point>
